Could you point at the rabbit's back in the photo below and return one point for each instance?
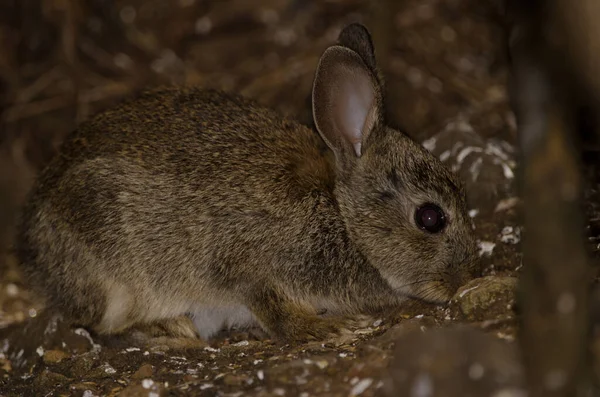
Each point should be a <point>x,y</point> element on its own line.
<point>197,136</point>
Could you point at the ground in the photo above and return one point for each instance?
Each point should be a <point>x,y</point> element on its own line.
<point>447,75</point>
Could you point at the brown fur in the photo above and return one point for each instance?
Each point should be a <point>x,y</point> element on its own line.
<point>186,198</point>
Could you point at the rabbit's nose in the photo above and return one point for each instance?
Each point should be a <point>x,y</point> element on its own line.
<point>460,277</point>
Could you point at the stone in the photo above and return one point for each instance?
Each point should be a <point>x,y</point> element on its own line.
<point>485,298</point>
<point>55,356</point>
<point>145,371</point>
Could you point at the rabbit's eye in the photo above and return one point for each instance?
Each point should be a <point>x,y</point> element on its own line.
<point>430,218</point>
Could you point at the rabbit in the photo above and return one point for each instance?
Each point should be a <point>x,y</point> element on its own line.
<point>188,211</point>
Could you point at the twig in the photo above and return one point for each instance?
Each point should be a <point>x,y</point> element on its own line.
<point>27,110</point>
<point>40,84</point>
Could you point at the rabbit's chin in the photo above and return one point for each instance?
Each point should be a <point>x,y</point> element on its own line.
<point>435,292</point>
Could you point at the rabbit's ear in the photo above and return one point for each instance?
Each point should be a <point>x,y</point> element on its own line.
<point>357,38</point>
<point>346,102</point>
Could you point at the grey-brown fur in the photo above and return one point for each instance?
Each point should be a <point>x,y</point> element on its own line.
<point>186,201</point>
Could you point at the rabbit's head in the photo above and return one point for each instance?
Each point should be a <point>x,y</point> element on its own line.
<point>404,209</point>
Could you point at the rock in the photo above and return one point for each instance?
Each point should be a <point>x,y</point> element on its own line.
<point>55,356</point>
<point>145,371</point>
<point>485,298</point>
<point>48,379</point>
<point>82,365</point>
<point>458,360</point>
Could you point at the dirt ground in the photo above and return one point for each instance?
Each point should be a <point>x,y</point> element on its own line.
<point>447,72</point>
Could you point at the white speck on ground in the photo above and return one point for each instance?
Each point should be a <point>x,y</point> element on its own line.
<point>132,349</point>
<point>109,369</point>
<point>361,386</point>
<point>475,169</point>
<point>496,149</point>
<point>211,349</point>
<point>486,248</point>
<point>506,204</point>
<point>465,152</point>
<point>147,383</point>
<point>508,172</point>
<point>242,343</point>
<point>260,374</point>
<point>40,351</point>
<point>510,235</point>
<point>82,332</point>
<point>473,213</point>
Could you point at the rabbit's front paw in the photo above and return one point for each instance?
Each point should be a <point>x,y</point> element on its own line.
<point>307,328</point>
<point>293,322</point>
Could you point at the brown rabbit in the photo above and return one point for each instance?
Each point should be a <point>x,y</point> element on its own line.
<point>195,204</point>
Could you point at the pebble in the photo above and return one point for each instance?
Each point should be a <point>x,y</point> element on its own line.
<point>485,298</point>
<point>48,379</point>
<point>55,356</point>
<point>145,371</point>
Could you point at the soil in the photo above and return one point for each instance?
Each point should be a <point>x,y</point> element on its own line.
<point>65,61</point>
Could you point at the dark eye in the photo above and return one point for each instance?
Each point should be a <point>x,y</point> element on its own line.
<point>430,217</point>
